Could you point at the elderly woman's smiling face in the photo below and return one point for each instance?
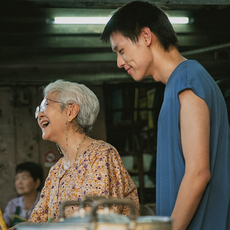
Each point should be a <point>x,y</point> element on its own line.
<point>51,118</point>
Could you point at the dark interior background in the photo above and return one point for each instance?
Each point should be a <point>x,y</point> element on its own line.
<point>33,52</point>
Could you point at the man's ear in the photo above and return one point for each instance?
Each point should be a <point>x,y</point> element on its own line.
<point>147,35</point>
<point>37,183</point>
<point>72,111</point>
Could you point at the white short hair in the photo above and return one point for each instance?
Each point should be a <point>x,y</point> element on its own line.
<point>72,92</point>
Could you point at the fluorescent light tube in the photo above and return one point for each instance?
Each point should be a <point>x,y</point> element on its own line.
<point>81,20</point>
<point>179,20</point>
<point>104,20</point>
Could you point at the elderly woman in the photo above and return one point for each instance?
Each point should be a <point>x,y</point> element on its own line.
<point>89,167</point>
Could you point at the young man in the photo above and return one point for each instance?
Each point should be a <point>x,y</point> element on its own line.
<point>193,163</point>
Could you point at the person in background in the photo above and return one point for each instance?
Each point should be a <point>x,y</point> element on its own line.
<point>28,184</point>
<point>89,167</point>
<point>193,142</point>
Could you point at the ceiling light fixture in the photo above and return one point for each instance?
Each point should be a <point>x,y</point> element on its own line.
<point>179,20</point>
<point>103,20</point>
<point>81,20</point>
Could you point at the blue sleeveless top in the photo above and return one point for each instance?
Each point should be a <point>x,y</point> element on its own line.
<point>213,211</point>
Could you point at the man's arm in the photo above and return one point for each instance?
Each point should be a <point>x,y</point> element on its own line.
<point>194,122</point>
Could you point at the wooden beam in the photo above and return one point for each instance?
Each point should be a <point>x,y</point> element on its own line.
<point>113,5</point>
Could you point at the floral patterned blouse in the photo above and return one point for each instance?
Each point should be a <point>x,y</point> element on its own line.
<point>98,171</point>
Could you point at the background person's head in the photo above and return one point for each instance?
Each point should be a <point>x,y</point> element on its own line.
<point>29,177</point>
<point>72,92</point>
<point>132,17</point>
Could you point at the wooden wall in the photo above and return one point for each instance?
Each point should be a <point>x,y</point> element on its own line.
<point>20,135</point>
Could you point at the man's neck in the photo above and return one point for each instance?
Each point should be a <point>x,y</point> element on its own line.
<point>29,199</point>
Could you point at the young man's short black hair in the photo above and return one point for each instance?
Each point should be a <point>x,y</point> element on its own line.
<point>35,170</point>
<point>132,17</point>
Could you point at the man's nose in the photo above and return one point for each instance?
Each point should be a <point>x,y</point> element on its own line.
<point>18,180</point>
<point>120,61</point>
